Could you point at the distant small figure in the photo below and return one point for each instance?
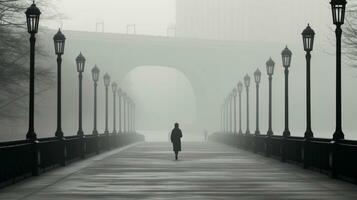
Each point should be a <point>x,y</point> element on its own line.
<point>206,135</point>
<point>176,136</point>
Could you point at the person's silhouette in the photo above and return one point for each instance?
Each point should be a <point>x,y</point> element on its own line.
<point>176,136</point>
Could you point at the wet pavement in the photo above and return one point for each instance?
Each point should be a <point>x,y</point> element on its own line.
<point>203,171</point>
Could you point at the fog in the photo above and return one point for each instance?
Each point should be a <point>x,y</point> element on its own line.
<point>164,94</point>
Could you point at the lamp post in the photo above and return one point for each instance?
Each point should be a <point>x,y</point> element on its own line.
<point>114,89</point>
<point>128,105</point>
<point>338,15</point>
<point>270,71</point>
<point>106,80</point>
<point>223,118</point>
<point>80,61</point>
<point>257,78</point>
<point>32,20</point>
<point>134,119</point>
<point>247,84</point>
<point>240,89</point>
<point>286,59</point>
<point>308,36</point>
<point>235,108</point>
<point>230,98</point>
<point>120,109</point>
<point>226,102</point>
<point>95,77</point>
<point>59,43</point>
<point>128,114</point>
<point>124,113</point>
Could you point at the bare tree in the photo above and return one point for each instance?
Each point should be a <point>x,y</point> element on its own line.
<point>350,34</point>
<point>14,59</point>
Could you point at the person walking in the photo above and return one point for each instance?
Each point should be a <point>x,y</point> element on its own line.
<point>176,135</point>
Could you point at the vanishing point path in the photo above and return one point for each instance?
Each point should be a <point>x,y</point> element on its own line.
<point>204,171</point>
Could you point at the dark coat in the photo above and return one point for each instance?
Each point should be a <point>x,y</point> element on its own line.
<point>176,136</point>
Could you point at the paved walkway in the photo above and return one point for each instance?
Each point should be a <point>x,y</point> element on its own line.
<point>204,171</point>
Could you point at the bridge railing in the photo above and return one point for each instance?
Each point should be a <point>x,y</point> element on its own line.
<point>21,159</point>
<point>335,158</point>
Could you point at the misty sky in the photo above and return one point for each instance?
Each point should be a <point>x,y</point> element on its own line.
<point>150,16</point>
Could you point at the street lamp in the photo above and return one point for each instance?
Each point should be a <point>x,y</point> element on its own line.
<point>124,113</point>
<point>257,78</point>
<point>226,102</point>
<point>308,36</point>
<point>247,84</point>
<point>286,58</point>
<point>223,119</point>
<point>128,114</point>
<point>106,80</point>
<point>338,15</point>
<point>80,61</point>
<point>270,71</point>
<point>59,43</point>
<point>230,100</point>
<point>133,118</point>
<point>240,89</point>
<point>120,110</point>
<point>95,77</point>
<point>32,20</point>
<point>128,106</point>
<point>235,91</point>
<point>114,89</point>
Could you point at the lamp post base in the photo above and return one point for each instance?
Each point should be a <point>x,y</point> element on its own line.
<point>257,132</point>
<point>270,133</point>
<point>240,132</point>
<point>286,133</point>
<point>106,132</point>
<point>114,132</point>
<point>309,134</point>
<point>31,135</point>
<point>80,133</point>
<point>95,132</point>
<point>59,133</point>
<point>247,132</point>
<point>338,135</point>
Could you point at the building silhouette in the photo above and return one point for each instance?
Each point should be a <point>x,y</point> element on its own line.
<point>246,20</point>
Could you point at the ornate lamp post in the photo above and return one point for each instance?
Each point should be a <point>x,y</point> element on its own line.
<point>114,89</point>
<point>80,61</point>
<point>286,58</point>
<point>223,118</point>
<point>247,84</point>
<point>308,36</point>
<point>134,119</point>
<point>120,110</point>
<point>234,92</point>
<point>240,89</point>
<point>106,80</point>
<point>226,102</point>
<point>95,77</point>
<point>230,101</point>
<point>124,113</point>
<point>128,105</point>
<point>257,78</point>
<point>59,43</point>
<point>32,20</point>
<point>338,15</point>
<point>270,71</point>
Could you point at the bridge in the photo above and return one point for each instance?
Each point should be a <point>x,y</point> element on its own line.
<point>121,165</point>
<point>228,165</point>
<point>204,171</point>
